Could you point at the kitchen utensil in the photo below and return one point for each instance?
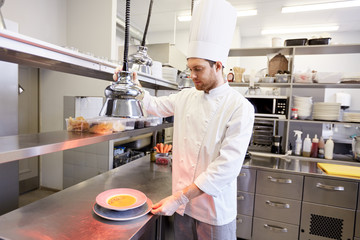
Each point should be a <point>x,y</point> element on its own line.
<point>356,148</point>
<point>123,96</point>
<point>184,80</point>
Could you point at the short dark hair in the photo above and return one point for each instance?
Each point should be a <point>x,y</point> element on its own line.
<point>212,63</point>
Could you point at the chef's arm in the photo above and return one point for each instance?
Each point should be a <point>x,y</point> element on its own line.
<point>169,205</point>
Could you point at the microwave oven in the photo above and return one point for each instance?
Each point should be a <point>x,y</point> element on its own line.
<point>269,106</point>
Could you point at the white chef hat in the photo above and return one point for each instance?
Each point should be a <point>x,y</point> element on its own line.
<point>211,31</point>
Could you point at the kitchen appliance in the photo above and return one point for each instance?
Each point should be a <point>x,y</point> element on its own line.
<point>261,140</point>
<point>140,61</point>
<point>184,80</point>
<point>356,148</point>
<point>123,97</point>
<point>269,106</point>
<point>276,144</point>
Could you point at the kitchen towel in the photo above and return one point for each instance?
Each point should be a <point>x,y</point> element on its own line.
<point>340,170</point>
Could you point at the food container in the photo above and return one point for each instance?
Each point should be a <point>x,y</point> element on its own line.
<point>102,125</point>
<point>282,78</point>
<point>78,124</point>
<point>163,158</point>
<point>319,41</point>
<point>151,121</point>
<point>296,42</point>
<point>267,79</point>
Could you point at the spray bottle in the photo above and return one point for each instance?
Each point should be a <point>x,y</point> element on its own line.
<point>298,142</point>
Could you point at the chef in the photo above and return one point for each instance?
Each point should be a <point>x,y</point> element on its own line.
<point>212,129</point>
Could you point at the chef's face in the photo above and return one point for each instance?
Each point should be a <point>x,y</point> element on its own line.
<point>204,76</point>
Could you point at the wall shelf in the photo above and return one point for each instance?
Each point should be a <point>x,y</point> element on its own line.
<point>28,145</point>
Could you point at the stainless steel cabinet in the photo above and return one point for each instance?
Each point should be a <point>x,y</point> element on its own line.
<point>245,203</point>
<point>279,184</point>
<point>357,224</point>
<point>271,230</point>
<point>278,209</point>
<point>320,222</point>
<point>243,226</point>
<point>331,192</point>
<point>246,180</point>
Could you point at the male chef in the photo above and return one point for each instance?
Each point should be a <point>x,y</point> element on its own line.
<point>212,128</point>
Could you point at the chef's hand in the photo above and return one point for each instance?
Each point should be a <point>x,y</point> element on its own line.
<point>134,78</point>
<point>169,205</point>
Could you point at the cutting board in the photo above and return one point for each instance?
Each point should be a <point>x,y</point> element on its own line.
<point>340,170</point>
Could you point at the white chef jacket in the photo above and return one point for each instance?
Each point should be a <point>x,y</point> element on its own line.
<point>211,135</point>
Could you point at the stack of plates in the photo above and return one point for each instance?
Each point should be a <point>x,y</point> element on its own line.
<point>304,105</point>
<point>169,73</point>
<point>122,204</point>
<point>326,111</point>
<point>351,117</point>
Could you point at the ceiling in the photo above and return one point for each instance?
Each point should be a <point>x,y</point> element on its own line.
<point>164,14</point>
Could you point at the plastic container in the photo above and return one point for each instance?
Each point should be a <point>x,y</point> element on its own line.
<point>321,152</point>
<point>296,42</point>
<point>314,147</point>
<point>100,125</point>
<point>329,149</point>
<point>163,158</point>
<point>282,78</point>
<point>267,79</point>
<point>78,124</point>
<point>307,146</point>
<point>298,142</point>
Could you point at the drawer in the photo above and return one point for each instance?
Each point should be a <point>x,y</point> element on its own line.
<point>272,230</point>
<point>246,180</point>
<point>326,222</point>
<point>243,226</point>
<point>358,205</point>
<point>357,225</point>
<point>278,209</point>
<point>245,203</point>
<point>331,192</point>
<point>279,184</point>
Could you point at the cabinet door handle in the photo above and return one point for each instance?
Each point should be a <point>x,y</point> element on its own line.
<point>280,180</point>
<point>242,174</point>
<point>241,197</point>
<point>239,220</point>
<point>275,228</point>
<point>277,204</point>
<point>329,187</point>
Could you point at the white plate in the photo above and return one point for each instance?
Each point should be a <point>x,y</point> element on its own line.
<point>102,198</point>
<point>123,215</point>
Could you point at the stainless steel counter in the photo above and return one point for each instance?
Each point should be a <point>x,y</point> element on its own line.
<point>292,165</point>
<point>68,214</point>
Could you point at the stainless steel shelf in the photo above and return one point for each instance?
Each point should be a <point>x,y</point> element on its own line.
<point>337,159</point>
<point>28,145</point>
<point>253,52</point>
<point>272,85</point>
<point>325,85</point>
<point>24,50</point>
<point>326,122</point>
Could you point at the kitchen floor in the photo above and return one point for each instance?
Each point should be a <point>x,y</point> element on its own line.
<point>34,195</point>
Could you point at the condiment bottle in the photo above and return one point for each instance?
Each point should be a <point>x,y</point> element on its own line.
<point>329,148</point>
<point>231,76</point>
<point>298,142</point>
<point>321,152</point>
<point>307,146</point>
<point>314,147</point>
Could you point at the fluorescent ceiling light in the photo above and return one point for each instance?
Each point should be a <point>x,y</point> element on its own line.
<point>246,13</point>
<point>321,6</point>
<point>327,28</point>
<point>187,17</point>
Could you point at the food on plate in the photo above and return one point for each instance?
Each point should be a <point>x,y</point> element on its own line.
<point>122,200</point>
<point>79,124</point>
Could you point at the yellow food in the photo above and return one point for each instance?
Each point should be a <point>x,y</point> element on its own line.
<point>77,124</point>
<point>121,200</point>
<point>104,128</point>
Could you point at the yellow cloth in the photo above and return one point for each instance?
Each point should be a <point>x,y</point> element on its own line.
<point>340,170</point>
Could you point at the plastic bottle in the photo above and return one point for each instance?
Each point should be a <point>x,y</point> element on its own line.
<point>231,76</point>
<point>314,147</point>
<point>298,142</point>
<point>321,152</point>
<point>329,148</point>
<point>307,146</point>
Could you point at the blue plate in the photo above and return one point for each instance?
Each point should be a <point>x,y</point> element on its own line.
<point>123,215</point>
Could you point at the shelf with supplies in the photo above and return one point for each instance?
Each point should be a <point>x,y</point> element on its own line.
<point>284,125</point>
<point>25,50</point>
<point>17,147</point>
